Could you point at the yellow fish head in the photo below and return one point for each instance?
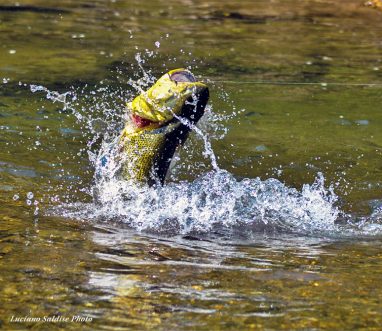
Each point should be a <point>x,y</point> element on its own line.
<point>168,96</point>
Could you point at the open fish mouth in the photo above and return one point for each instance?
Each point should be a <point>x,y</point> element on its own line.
<point>182,76</point>
<point>160,121</point>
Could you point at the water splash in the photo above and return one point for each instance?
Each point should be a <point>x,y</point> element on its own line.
<point>214,201</point>
<point>53,95</point>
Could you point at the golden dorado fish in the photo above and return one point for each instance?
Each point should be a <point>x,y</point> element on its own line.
<point>160,120</point>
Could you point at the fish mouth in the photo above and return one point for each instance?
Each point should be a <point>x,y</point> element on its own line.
<point>182,76</point>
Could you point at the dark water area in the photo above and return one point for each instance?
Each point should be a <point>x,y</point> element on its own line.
<point>286,237</point>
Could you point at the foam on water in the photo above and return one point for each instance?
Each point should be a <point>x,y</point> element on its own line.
<point>214,200</point>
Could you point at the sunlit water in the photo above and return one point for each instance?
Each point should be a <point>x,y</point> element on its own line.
<point>271,216</point>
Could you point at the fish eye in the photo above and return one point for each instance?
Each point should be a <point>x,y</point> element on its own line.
<point>183,76</point>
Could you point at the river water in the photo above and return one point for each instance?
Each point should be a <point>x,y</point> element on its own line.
<point>283,234</point>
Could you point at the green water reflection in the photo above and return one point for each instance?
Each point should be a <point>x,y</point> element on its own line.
<point>251,50</point>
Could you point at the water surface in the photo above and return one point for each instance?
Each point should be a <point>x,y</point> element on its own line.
<point>286,235</point>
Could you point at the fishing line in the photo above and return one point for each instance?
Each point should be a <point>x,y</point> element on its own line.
<point>323,84</point>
